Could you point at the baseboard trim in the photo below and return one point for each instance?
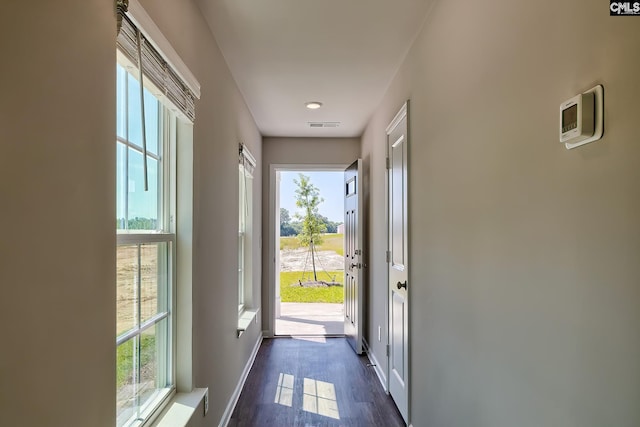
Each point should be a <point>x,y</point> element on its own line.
<point>376,365</point>
<point>226,417</point>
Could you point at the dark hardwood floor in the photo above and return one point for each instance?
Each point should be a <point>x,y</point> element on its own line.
<point>301,383</point>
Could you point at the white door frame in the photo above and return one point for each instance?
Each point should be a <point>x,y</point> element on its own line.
<point>273,216</point>
<point>402,113</point>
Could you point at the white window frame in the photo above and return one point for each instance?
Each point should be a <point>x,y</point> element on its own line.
<point>246,167</point>
<point>165,233</point>
<point>245,220</point>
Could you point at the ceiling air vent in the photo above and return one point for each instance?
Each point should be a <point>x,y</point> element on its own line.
<point>324,124</point>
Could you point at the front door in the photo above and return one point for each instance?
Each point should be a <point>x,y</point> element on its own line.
<point>353,271</point>
<point>398,256</point>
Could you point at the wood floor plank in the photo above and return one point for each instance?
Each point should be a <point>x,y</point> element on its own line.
<point>313,383</point>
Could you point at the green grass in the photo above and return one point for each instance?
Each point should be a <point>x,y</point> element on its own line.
<point>124,357</point>
<point>331,242</point>
<point>291,291</point>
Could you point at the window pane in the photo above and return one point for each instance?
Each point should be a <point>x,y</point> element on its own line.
<point>125,380</point>
<point>154,267</point>
<point>121,187</point>
<point>143,205</point>
<point>142,371</point>
<point>127,279</point>
<point>121,102</point>
<point>155,372</point>
<point>154,195</point>
<point>148,365</point>
<point>134,115</point>
<point>151,114</point>
<point>241,200</point>
<point>152,121</point>
<point>240,269</point>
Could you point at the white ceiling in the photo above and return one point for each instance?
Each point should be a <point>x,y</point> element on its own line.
<point>343,53</point>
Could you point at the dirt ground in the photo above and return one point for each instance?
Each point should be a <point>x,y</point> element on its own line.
<point>127,270</point>
<point>300,260</point>
<point>290,260</point>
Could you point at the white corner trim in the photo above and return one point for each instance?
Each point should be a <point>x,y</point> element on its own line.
<point>226,417</point>
<point>376,365</point>
<point>399,116</point>
<point>143,21</point>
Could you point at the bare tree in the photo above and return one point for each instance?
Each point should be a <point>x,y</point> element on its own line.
<point>308,199</point>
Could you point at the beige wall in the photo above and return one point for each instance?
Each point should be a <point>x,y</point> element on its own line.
<point>309,151</point>
<point>299,152</point>
<point>57,186</point>
<point>57,192</point>
<point>222,121</point>
<point>524,275</point>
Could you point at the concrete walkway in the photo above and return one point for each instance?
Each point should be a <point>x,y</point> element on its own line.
<point>310,319</point>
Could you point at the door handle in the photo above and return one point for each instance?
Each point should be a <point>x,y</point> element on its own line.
<point>401,285</point>
<point>353,265</point>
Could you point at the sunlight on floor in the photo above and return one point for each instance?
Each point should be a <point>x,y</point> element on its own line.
<point>318,397</point>
<point>284,391</point>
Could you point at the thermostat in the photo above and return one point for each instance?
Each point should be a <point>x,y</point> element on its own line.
<point>581,118</point>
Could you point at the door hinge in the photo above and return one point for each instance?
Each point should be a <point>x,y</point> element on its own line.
<point>388,255</point>
<point>388,163</point>
<point>388,350</point>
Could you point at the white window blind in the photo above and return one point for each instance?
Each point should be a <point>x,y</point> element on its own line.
<point>247,160</point>
<point>155,67</point>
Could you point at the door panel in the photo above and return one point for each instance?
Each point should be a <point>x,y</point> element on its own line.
<point>398,262</point>
<point>353,272</point>
<point>397,202</point>
<point>398,311</point>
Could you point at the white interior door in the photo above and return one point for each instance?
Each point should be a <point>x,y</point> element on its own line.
<point>398,262</point>
<point>353,271</point>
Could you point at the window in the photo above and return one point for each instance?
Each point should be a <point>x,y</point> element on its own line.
<point>145,251</point>
<point>156,95</point>
<point>245,215</point>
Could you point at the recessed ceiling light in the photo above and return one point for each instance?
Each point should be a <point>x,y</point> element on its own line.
<point>314,105</point>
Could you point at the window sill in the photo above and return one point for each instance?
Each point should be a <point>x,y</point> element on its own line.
<point>245,318</point>
<point>181,409</point>
<point>149,410</point>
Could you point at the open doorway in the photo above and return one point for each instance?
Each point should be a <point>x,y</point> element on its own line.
<point>309,251</point>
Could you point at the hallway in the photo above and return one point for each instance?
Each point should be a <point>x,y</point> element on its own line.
<point>312,382</point>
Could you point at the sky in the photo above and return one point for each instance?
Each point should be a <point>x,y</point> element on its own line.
<point>330,186</point>
<point>131,195</point>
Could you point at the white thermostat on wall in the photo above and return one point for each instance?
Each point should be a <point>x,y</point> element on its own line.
<point>581,118</point>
